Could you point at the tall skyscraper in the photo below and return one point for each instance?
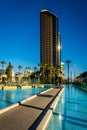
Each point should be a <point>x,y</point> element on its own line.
<point>49,38</point>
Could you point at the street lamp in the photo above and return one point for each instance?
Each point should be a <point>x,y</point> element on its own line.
<point>68,62</point>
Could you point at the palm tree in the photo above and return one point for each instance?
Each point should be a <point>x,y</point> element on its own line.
<point>52,73</point>
<point>19,68</point>
<point>43,70</point>
<point>27,70</point>
<point>68,62</point>
<point>35,70</point>
<point>3,65</point>
<point>59,69</point>
<point>9,72</point>
<point>27,74</point>
<point>19,74</point>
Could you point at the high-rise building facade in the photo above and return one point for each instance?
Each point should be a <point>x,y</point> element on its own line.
<point>48,38</point>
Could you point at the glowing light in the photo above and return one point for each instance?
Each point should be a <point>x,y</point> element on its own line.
<point>60,116</point>
<point>59,47</point>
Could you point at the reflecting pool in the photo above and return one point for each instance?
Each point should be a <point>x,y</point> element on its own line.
<point>8,97</point>
<point>71,110</point>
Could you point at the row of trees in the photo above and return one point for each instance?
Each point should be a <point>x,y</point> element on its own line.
<point>10,66</point>
<point>6,73</point>
<point>50,74</point>
<point>46,74</point>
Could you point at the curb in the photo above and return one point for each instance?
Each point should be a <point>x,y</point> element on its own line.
<point>34,96</point>
<point>8,108</point>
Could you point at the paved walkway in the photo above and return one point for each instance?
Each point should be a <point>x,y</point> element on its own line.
<point>28,115</point>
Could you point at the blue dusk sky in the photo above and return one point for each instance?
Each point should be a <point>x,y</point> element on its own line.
<point>20,32</point>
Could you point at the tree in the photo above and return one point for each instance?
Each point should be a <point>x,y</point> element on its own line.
<point>35,70</point>
<point>68,62</point>
<point>9,72</point>
<point>3,65</point>
<point>42,67</point>
<point>47,73</point>
<point>27,75</point>
<point>19,68</point>
<point>27,70</point>
<point>53,72</point>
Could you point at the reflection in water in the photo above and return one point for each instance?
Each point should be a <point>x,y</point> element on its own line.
<point>71,112</point>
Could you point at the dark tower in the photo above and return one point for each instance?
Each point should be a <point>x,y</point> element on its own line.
<point>48,38</point>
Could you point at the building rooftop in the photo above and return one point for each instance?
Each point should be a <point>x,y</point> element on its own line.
<point>45,10</point>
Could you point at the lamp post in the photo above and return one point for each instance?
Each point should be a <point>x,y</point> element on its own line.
<point>68,62</point>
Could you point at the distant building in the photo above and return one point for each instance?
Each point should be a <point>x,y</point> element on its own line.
<point>49,38</point>
<point>62,70</point>
<point>13,76</point>
<point>3,76</point>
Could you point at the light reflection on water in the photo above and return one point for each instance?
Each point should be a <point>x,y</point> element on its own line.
<point>8,97</point>
<point>71,110</point>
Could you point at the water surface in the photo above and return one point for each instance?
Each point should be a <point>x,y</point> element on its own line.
<point>8,97</point>
<point>71,110</point>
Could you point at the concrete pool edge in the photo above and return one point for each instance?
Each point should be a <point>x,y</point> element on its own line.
<point>27,99</point>
<point>44,122</point>
<point>3,110</point>
<point>8,108</point>
<point>84,89</point>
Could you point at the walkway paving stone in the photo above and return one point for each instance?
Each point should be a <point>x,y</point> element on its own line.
<point>28,115</point>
